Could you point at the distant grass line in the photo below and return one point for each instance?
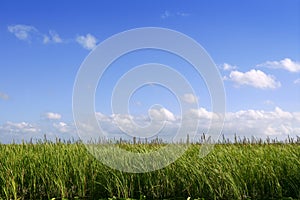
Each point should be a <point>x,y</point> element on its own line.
<point>231,171</point>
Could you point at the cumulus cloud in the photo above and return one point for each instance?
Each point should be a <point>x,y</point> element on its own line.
<point>254,78</point>
<point>200,113</point>
<point>51,115</point>
<point>21,127</point>
<point>286,64</point>
<point>161,114</point>
<point>88,42</point>
<point>4,96</point>
<point>189,98</point>
<point>271,123</point>
<point>27,33</point>
<point>124,122</point>
<point>25,131</point>
<point>158,120</point>
<point>228,67</point>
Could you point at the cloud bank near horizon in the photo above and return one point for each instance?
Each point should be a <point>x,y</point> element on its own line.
<point>276,123</point>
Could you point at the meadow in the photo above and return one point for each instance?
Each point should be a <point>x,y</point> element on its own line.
<point>64,170</point>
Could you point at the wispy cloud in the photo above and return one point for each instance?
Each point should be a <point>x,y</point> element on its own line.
<point>4,96</point>
<point>88,42</point>
<point>183,14</point>
<point>168,14</point>
<point>228,67</point>
<point>52,37</point>
<point>268,102</point>
<point>23,32</point>
<point>254,78</point>
<point>297,81</point>
<point>29,33</point>
<point>286,64</point>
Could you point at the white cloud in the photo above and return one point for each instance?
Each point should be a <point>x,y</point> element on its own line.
<point>262,123</point>
<point>161,114</point>
<point>228,67</point>
<point>51,115</point>
<point>286,64</point>
<point>258,123</point>
<point>55,37</point>
<point>297,81</point>
<point>4,96</point>
<point>88,42</point>
<point>160,120</point>
<point>52,37</point>
<point>102,117</point>
<point>200,113</point>
<point>27,33</point>
<point>22,32</point>
<point>62,127</point>
<point>123,122</point>
<point>278,113</point>
<point>225,78</point>
<point>254,78</point>
<point>22,127</point>
<point>280,129</point>
<point>25,131</point>
<point>189,98</point>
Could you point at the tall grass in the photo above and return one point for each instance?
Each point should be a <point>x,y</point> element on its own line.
<point>231,171</point>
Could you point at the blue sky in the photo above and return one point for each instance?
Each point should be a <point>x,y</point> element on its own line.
<point>255,44</point>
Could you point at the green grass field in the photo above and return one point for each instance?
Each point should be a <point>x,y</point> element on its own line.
<point>231,171</point>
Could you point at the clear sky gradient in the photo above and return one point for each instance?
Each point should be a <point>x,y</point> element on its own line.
<point>254,43</point>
